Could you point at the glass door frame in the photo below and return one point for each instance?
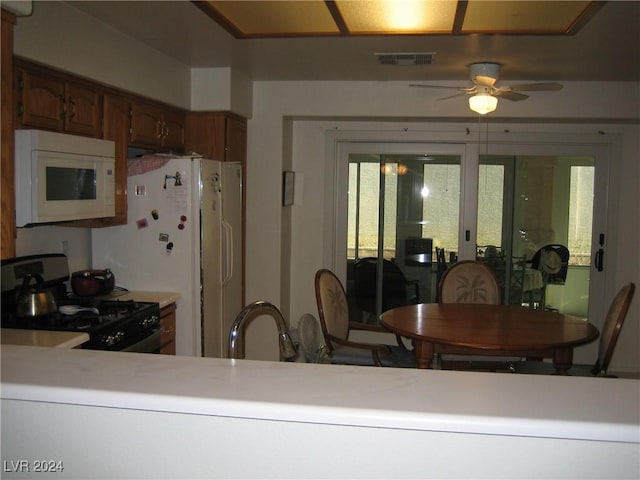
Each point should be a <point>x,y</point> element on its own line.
<point>453,139</point>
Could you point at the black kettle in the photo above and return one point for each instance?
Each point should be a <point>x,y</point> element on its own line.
<point>34,300</point>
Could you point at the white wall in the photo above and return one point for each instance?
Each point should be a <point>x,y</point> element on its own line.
<point>73,242</point>
<point>221,89</point>
<point>59,35</point>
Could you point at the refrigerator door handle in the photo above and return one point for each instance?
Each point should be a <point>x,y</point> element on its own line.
<point>227,251</point>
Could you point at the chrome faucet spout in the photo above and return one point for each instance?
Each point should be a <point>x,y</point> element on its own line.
<point>236,335</point>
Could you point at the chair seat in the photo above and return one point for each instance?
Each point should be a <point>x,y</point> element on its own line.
<point>398,357</point>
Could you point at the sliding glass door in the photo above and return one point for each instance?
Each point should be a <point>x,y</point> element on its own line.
<point>406,202</point>
<point>402,208</point>
<point>527,203</point>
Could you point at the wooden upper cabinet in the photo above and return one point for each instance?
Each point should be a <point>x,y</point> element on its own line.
<point>7,189</point>
<point>156,126</point>
<point>52,102</point>
<point>40,101</point>
<point>83,113</point>
<point>116,128</point>
<point>174,129</point>
<point>217,135</point>
<point>146,123</point>
<point>236,140</point>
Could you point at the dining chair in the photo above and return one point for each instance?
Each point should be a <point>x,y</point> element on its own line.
<point>440,269</point>
<point>518,269</point>
<point>336,327</point>
<point>606,345</point>
<point>469,281</point>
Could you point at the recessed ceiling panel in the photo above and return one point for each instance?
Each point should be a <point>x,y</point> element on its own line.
<point>290,18</point>
<point>257,18</point>
<point>398,16</point>
<point>522,17</point>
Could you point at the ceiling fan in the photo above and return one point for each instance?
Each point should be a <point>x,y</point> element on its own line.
<point>483,95</point>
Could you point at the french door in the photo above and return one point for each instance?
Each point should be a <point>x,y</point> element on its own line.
<point>402,199</point>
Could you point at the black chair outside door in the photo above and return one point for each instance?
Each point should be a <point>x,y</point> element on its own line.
<point>397,291</point>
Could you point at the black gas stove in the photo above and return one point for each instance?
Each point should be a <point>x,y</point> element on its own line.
<point>119,325</point>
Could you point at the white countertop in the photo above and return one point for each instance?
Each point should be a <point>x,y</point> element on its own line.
<point>463,402</point>
<point>42,338</point>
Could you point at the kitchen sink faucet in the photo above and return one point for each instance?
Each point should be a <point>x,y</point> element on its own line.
<point>236,335</point>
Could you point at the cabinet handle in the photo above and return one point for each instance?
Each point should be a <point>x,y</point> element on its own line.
<point>159,129</point>
<point>166,130</point>
<point>64,106</point>
<point>73,108</point>
<point>20,109</point>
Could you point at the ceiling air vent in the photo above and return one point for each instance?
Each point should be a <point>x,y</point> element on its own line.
<point>404,58</point>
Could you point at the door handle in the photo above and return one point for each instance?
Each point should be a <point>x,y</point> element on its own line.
<point>599,259</point>
<point>227,250</point>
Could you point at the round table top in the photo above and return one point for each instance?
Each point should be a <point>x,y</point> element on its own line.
<point>498,327</point>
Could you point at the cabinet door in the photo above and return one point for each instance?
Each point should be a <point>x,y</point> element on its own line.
<point>116,128</point>
<point>173,130</point>
<point>83,113</point>
<point>205,134</point>
<point>146,125</point>
<point>168,322</point>
<point>236,140</point>
<point>40,101</point>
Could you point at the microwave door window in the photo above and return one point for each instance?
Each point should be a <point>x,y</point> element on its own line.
<point>71,184</point>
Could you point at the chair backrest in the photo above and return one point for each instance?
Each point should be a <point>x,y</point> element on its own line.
<point>333,310</point>
<point>394,285</point>
<point>469,281</point>
<point>553,261</point>
<point>611,328</point>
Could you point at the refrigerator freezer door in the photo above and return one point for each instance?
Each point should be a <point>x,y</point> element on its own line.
<point>232,250</point>
<point>221,255</point>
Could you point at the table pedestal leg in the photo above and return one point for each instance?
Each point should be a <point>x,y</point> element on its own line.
<point>424,353</point>
<point>562,360</point>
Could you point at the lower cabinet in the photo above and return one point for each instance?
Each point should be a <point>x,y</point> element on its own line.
<point>168,322</point>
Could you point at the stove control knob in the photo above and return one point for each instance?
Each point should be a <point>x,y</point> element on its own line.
<point>150,321</point>
<point>113,339</point>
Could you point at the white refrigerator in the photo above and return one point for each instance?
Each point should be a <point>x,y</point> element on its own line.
<point>184,235</point>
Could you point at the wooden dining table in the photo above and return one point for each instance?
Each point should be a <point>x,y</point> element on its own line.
<point>489,330</point>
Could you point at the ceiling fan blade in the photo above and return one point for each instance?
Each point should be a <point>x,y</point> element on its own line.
<point>453,96</point>
<point>509,95</point>
<point>536,87</point>
<point>462,89</point>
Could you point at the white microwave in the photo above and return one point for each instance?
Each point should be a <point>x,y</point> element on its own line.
<point>62,177</point>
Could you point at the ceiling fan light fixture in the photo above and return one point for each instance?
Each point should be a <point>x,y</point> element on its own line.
<point>483,103</point>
